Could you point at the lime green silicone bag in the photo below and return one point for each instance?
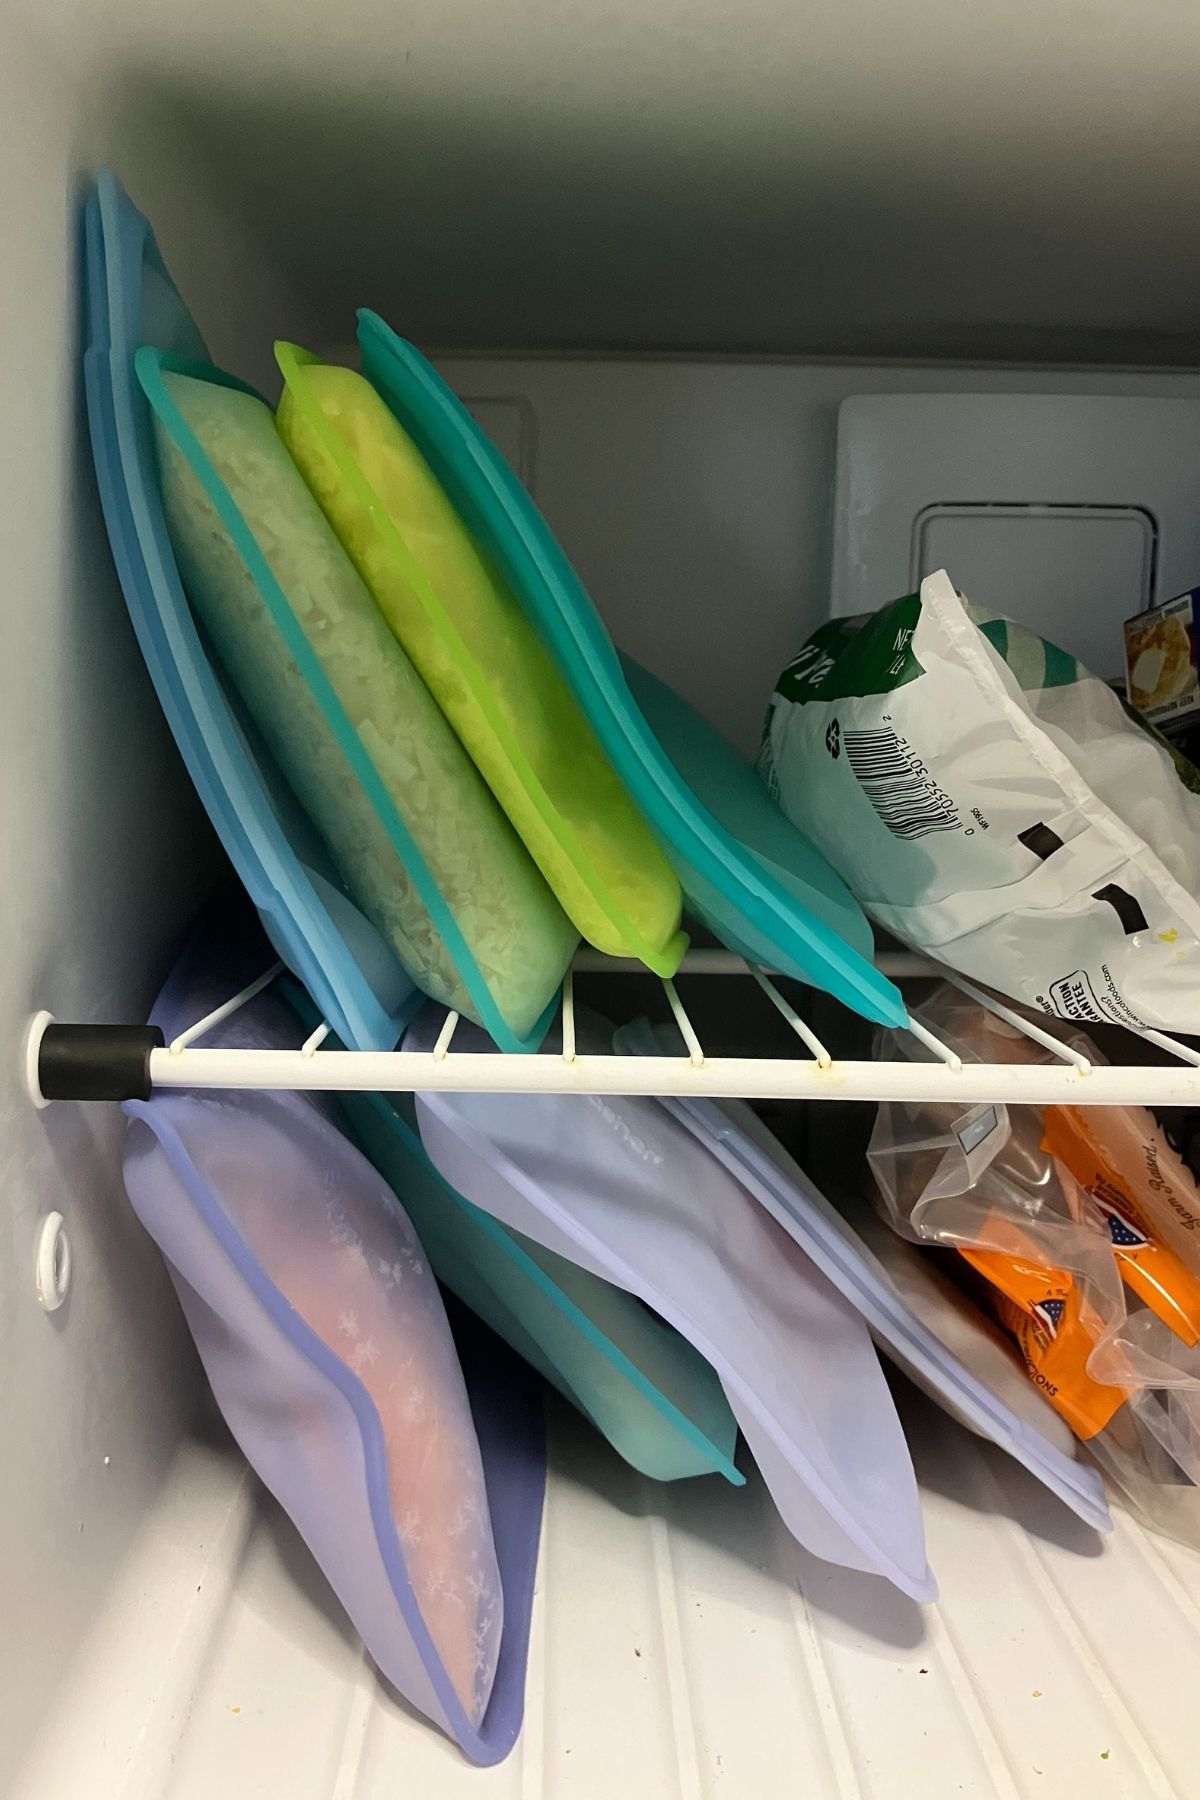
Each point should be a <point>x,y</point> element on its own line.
<point>483,661</point>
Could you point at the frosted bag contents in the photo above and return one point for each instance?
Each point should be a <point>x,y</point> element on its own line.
<point>641,1384</point>
<point>1094,1278</point>
<point>483,660</point>
<point>324,1336</point>
<point>130,301</point>
<point>419,841</point>
<point>991,802</point>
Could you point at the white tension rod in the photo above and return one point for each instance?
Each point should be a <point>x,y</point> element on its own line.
<point>98,1062</point>
<point>718,1077</point>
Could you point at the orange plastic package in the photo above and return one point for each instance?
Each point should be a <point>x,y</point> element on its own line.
<point>1055,1329</point>
<point>1085,1224</point>
<point>1140,1437</point>
<point>1146,1197</point>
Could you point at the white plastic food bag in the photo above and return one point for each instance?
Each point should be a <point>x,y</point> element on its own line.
<point>991,802</point>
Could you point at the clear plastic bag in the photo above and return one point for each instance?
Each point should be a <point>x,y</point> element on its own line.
<point>1079,1250</point>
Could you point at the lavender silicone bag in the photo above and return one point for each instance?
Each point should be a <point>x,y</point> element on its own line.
<point>327,1346</point>
<point>739,1140</point>
<point>622,1189</point>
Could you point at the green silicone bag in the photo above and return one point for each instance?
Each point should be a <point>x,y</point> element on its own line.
<point>483,660</point>
<point>421,844</point>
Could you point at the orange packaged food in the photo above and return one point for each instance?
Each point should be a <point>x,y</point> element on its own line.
<point>1047,1314</point>
<point>1138,1190</point>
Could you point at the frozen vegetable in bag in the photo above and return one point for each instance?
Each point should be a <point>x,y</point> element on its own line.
<point>731,886</point>
<point>991,802</point>
<point>423,847</point>
<point>324,1336</point>
<point>483,660</point>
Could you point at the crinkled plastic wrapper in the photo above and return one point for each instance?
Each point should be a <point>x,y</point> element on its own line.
<point>1077,1226</point>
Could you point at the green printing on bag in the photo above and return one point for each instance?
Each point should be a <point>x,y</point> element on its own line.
<point>1036,663</point>
<point>851,657</point>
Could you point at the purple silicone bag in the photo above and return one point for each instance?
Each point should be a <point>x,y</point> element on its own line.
<point>325,1339</point>
<point>621,1188</point>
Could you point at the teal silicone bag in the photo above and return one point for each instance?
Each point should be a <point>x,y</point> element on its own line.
<point>422,844</point>
<point>729,787</point>
<point>736,892</point>
<point>657,1401</point>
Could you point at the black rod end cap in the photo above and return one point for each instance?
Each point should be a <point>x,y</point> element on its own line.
<point>97,1062</point>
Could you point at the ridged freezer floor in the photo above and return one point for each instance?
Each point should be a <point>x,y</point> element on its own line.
<point>683,1647</point>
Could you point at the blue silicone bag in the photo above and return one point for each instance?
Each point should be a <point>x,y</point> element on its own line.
<point>739,1140</point>
<point>412,1462</point>
<point>352,974</point>
<point>736,892</point>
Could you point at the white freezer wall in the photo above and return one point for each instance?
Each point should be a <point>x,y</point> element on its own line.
<point>696,497</point>
<point>105,852</point>
<point>843,178</point>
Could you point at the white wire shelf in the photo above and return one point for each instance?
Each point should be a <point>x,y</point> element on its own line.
<point>817,1074</point>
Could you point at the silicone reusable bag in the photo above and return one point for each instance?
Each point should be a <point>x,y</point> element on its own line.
<point>733,889</point>
<point>621,1188</point>
<point>731,790</point>
<point>738,1139</point>
<point>423,846</point>
<point>323,1334</point>
<point>353,976</point>
<point>483,661</point>
<point>647,1391</point>
<point>643,1386</point>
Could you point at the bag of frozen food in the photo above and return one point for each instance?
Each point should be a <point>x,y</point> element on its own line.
<point>415,1479</point>
<point>1102,1306</point>
<point>1145,1438</point>
<point>483,660</point>
<point>1142,1160</point>
<point>419,841</point>
<point>991,802</point>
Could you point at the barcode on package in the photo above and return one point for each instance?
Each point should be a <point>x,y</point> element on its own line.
<point>898,785</point>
